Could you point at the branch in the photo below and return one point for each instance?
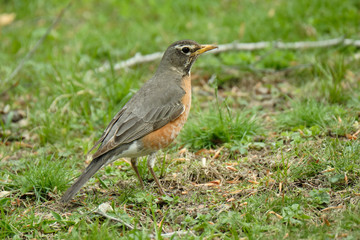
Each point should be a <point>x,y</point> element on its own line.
<point>139,59</point>
<point>135,60</point>
<point>171,234</point>
<point>104,207</point>
<point>288,46</point>
<point>101,212</point>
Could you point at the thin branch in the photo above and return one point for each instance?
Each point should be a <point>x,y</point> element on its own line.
<point>288,46</point>
<point>169,235</point>
<point>139,58</point>
<point>33,50</point>
<point>102,209</point>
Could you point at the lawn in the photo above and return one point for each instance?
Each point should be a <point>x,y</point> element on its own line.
<point>270,150</point>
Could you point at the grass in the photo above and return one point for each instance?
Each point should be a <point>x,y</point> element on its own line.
<point>317,116</point>
<point>272,154</point>
<point>211,129</point>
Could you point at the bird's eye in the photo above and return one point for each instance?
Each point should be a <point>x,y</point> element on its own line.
<point>185,49</point>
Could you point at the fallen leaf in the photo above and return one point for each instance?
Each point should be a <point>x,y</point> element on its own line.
<point>231,163</point>
<point>179,160</point>
<point>105,207</point>
<point>161,222</point>
<point>277,215</point>
<point>230,199</point>
<point>210,184</point>
<point>231,168</point>
<point>253,182</point>
<point>4,194</point>
<point>326,222</point>
<point>205,152</point>
<point>182,151</point>
<point>6,18</point>
<point>328,170</point>
<point>350,136</point>
<point>332,208</point>
<point>217,153</point>
<point>23,145</point>
<point>236,191</point>
<point>356,133</point>
<point>340,120</point>
<point>243,204</point>
<point>346,179</point>
<point>203,162</point>
<point>301,132</point>
<point>233,181</point>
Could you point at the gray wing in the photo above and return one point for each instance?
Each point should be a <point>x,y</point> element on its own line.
<point>107,130</point>
<point>127,126</point>
<point>157,103</point>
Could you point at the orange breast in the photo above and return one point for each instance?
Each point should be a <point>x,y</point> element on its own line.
<point>164,136</point>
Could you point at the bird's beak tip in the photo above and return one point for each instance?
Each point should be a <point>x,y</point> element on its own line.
<point>205,48</point>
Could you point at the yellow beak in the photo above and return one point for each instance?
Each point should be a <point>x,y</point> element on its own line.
<point>204,48</point>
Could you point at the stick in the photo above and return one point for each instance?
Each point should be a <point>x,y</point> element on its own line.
<point>169,235</point>
<point>139,58</point>
<point>102,209</point>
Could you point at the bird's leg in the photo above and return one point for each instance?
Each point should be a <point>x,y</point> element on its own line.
<point>151,162</point>
<point>134,165</point>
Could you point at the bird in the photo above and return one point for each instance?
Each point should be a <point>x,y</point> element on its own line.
<point>151,119</point>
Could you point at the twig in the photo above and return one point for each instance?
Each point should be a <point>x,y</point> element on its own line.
<point>139,58</point>
<point>332,208</point>
<point>33,50</point>
<point>169,235</point>
<point>101,210</point>
<point>288,46</point>
<point>115,219</point>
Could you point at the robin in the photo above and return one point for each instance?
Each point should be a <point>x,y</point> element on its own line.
<point>151,119</point>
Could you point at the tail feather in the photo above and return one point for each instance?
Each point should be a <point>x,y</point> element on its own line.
<point>93,167</point>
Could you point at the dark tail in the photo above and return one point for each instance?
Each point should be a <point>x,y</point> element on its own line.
<point>93,167</point>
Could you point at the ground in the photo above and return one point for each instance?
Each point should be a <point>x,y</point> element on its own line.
<point>270,150</point>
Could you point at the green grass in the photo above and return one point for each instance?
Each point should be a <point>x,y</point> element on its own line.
<point>213,129</point>
<point>43,177</point>
<point>317,116</point>
<point>273,154</point>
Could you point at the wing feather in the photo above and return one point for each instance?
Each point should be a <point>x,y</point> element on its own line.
<point>148,110</point>
<point>129,127</point>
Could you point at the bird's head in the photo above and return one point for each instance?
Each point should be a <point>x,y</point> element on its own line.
<point>181,55</point>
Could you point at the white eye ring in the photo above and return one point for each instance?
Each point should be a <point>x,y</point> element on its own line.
<point>185,50</point>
